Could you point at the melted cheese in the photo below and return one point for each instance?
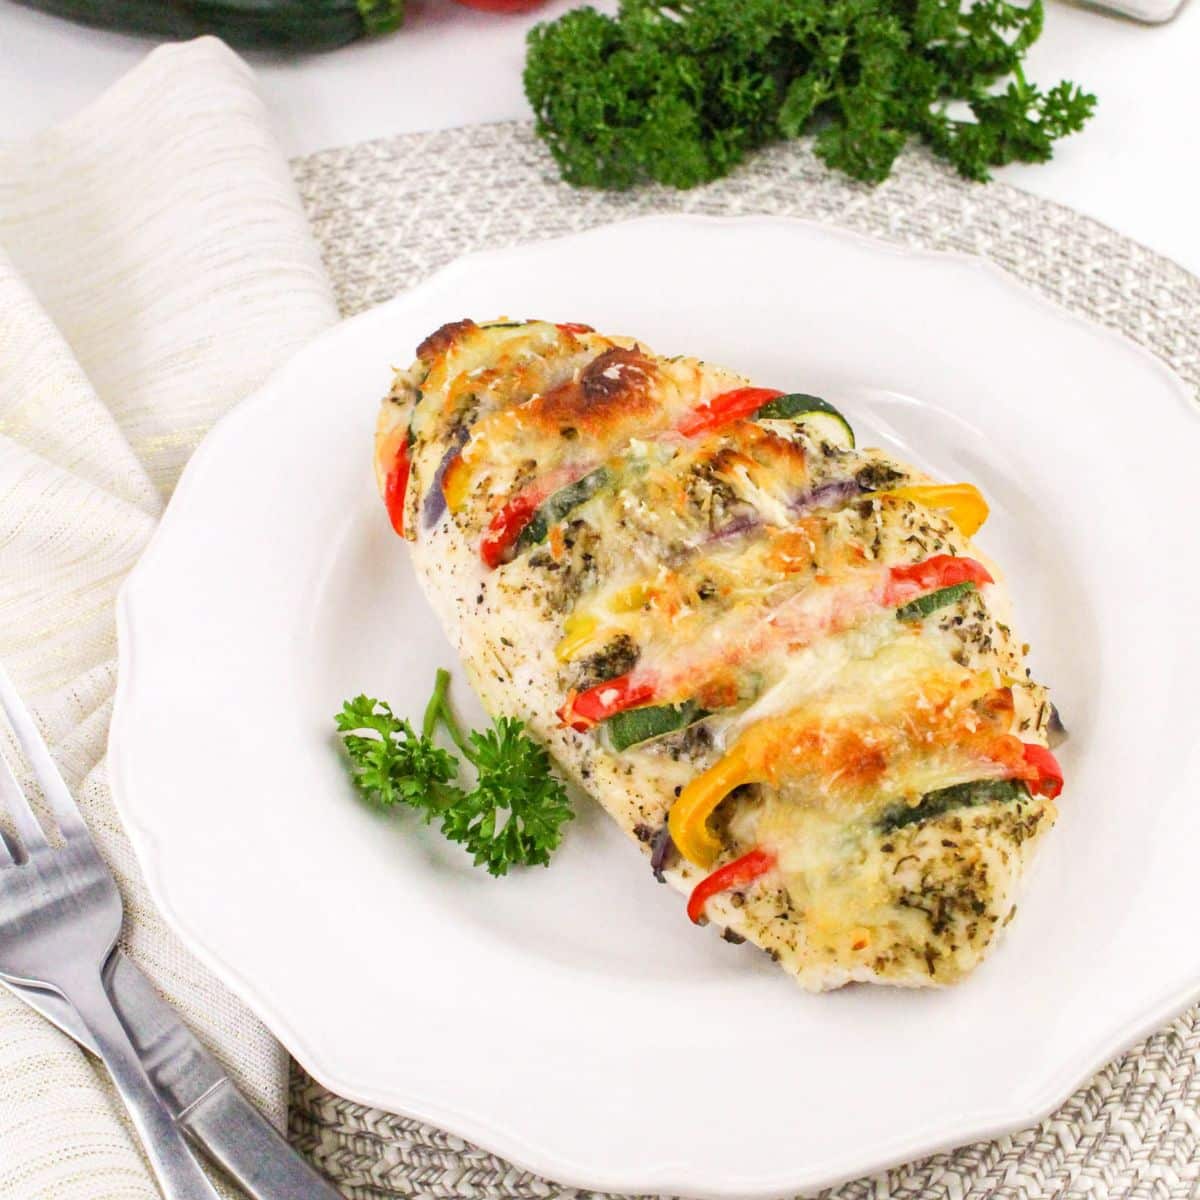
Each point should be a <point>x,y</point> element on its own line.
<point>708,556</point>
<point>607,400</point>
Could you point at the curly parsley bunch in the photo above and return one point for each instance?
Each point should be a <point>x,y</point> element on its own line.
<point>679,92</point>
<point>514,814</point>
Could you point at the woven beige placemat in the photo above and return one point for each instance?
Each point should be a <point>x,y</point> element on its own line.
<point>388,213</point>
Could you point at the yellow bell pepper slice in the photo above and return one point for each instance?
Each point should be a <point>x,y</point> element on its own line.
<point>688,819</point>
<point>631,598</point>
<point>456,482</point>
<point>579,631</point>
<point>585,629</point>
<point>963,503</point>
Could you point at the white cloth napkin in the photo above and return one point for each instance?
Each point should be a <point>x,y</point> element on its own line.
<point>155,266</point>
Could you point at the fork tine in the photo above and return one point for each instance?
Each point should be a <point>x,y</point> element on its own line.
<point>8,854</point>
<point>33,838</point>
<point>66,814</point>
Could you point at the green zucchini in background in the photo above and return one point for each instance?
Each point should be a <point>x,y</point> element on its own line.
<point>272,24</point>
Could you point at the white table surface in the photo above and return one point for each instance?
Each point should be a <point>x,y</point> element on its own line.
<point>1136,167</point>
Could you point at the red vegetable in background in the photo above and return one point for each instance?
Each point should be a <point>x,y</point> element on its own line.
<point>501,6</point>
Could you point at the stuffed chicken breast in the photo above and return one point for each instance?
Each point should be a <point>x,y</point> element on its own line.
<point>775,658</point>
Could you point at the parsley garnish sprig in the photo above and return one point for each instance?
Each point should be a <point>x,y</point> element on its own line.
<point>678,91</point>
<point>514,814</point>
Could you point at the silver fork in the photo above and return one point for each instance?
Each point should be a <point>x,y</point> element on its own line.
<point>60,915</point>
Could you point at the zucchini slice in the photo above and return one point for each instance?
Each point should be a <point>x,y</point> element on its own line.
<point>556,506</point>
<point>638,725</point>
<point>819,415</point>
<point>274,24</point>
<point>922,606</point>
<point>944,800</point>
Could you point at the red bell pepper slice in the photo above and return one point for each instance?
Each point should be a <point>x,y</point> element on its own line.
<point>903,584</point>
<point>396,486</point>
<point>574,327</point>
<point>605,700</point>
<point>725,408</point>
<point>738,873</point>
<point>931,575</point>
<point>1049,779</point>
<point>506,525</point>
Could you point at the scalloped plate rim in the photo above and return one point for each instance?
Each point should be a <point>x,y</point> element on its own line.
<point>489,1134</point>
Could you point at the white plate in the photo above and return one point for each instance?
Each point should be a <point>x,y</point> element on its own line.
<point>1153,11</point>
<point>572,1019</point>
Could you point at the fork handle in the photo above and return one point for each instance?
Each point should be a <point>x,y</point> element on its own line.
<point>176,1169</point>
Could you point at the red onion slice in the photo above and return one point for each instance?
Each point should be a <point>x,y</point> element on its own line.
<point>435,499</point>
